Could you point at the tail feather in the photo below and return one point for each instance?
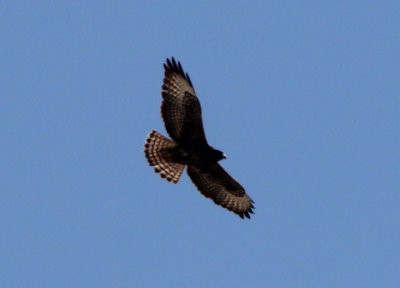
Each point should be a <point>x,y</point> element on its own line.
<point>155,150</point>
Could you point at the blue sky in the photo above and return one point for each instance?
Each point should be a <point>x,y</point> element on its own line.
<point>303,97</point>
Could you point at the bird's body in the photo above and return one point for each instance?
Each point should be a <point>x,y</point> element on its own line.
<point>181,112</point>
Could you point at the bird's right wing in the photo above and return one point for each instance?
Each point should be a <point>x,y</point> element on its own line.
<point>180,108</point>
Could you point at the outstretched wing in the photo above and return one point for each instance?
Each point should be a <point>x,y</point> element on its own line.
<point>215,183</point>
<point>180,108</point>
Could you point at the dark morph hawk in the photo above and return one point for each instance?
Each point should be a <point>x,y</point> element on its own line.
<point>181,112</point>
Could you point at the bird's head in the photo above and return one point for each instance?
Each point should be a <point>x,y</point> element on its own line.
<point>219,155</point>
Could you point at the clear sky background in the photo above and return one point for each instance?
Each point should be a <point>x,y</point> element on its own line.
<point>303,97</point>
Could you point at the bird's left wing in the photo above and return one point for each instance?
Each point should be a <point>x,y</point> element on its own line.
<point>214,182</point>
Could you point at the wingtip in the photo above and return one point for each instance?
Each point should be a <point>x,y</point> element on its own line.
<point>245,214</point>
<point>171,65</point>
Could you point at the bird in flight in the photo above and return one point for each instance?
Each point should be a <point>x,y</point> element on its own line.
<point>181,112</point>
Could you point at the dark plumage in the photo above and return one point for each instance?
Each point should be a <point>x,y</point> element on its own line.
<point>181,112</point>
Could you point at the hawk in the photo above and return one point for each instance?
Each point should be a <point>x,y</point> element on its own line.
<point>181,112</point>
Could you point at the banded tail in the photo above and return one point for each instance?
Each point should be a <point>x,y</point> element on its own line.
<point>156,152</point>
